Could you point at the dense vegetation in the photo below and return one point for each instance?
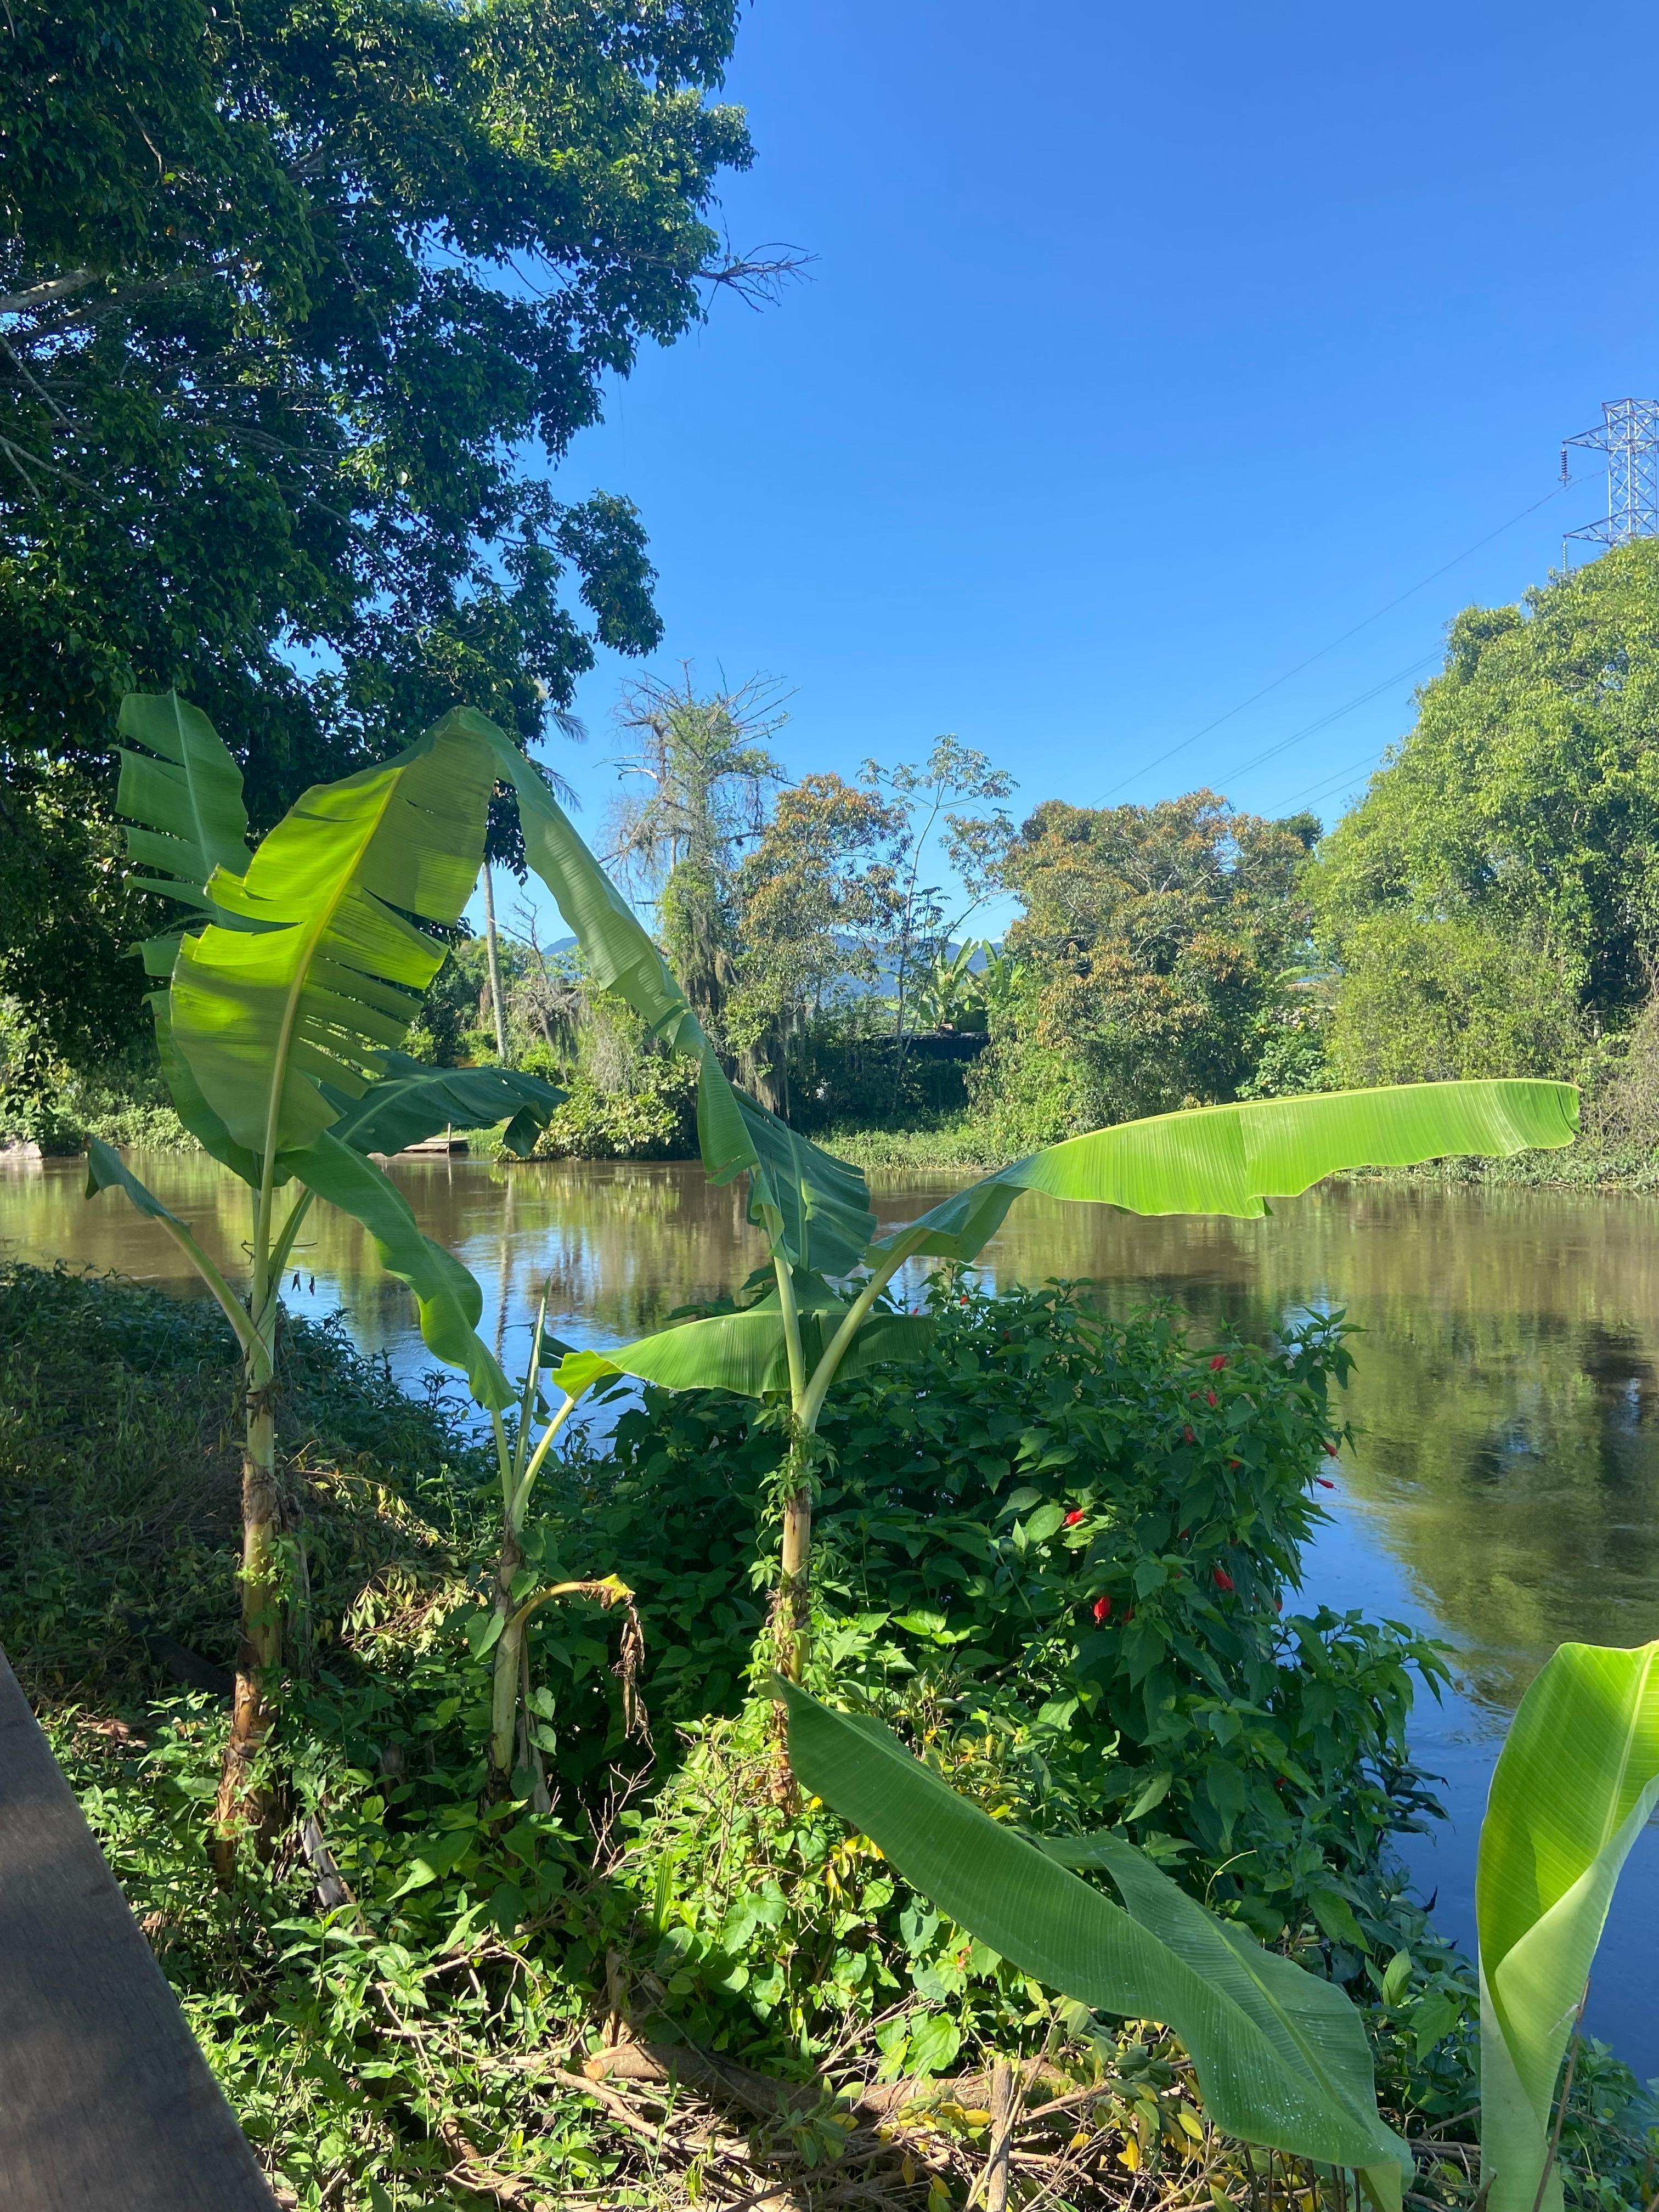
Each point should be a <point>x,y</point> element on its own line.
<point>427,2035</point>
<point>1163,956</point>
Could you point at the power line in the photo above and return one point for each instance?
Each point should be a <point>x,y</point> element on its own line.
<point>1421,585</point>
<point>1333,782</point>
<point>1324,722</point>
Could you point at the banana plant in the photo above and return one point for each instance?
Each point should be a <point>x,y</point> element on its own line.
<point>288,990</point>
<point>814,1212</point>
<point>1280,2055</point>
<point>1575,1782</point>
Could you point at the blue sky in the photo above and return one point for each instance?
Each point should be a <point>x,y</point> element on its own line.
<point>1144,355</point>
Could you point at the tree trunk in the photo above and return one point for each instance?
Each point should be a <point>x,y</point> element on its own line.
<point>492,952</point>
<point>241,1802</point>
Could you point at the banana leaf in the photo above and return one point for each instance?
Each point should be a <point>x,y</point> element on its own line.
<point>331,978</point>
<point>1575,1782</point>
<point>1281,2056</point>
<point>814,1209</point>
<point>745,1353</point>
<point>412,1102</point>
<point>1232,1159</point>
<point>446,1297</point>
<point>186,791</point>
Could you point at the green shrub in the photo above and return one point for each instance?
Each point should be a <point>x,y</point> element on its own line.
<point>652,1117</point>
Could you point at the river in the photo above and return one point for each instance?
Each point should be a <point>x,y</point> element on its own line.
<point>1502,1493</point>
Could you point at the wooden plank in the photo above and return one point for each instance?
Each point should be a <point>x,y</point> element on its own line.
<point>106,2103</point>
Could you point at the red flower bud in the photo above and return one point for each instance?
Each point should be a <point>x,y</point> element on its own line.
<point>1190,1437</point>
<point>1073,1517</point>
<point>1234,1462</point>
<point>1103,1609</point>
<point>1331,1451</point>
<point>1209,1396</point>
<point>1324,1482</point>
<point>1223,1579</point>
<point>1220,1360</point>
<point>1278,1605</point>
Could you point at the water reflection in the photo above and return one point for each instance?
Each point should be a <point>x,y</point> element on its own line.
<point>1503,1489</point>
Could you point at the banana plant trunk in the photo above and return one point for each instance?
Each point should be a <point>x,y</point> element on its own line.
<point>505,1679</point>
<point>791,1625</point>
<point>243,1801</point>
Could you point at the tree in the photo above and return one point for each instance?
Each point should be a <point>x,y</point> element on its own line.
<point>707,771</point>
<point>1523,807</point>
<point>819,899</point>
<point>974,845</point>
<point>288,301</point>
<point>1152,939</point>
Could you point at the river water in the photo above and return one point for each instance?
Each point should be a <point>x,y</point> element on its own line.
<point>1504,1493</point>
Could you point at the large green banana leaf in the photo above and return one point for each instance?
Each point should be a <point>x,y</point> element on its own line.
<point>412,1102</point>
<point>331,978</point>
<point>192,1108</point>
<point>1281,2056</point>
<point>446,1297</point>
<point>186,791</point>
<point>1232,1159</point>
<point>1575,1782</point>
<point>745,1353</point>
<point>815,1209</point>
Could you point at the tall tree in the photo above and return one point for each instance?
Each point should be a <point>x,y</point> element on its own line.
<point>706,774</point>
<point>1519,820</point>
<point>1152,939</point>
<point>289,302</point>
<point>819,897</point>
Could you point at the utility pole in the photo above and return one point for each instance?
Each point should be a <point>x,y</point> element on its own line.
<point>1628,435</point>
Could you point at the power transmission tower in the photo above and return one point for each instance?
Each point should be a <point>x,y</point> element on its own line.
<point>1628,435</point>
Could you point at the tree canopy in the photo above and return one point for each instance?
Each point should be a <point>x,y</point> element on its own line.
<point>290,299</point>
<point>1518,823</point>
<point>1152,941</point>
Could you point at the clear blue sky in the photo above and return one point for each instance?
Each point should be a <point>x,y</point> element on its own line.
<point>1144,353</point>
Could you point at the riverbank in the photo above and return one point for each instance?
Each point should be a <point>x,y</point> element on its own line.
<point>451,1992</point>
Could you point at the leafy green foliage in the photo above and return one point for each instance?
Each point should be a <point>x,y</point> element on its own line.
<point>1269,1750</point>
<point>1575,1783</point>
<point>360,2046</point>
<point>1524,801</point>
<point>1433,997</point>
<point>1280,2055</point>
<point>291,297</point>
<point>1151,938</point>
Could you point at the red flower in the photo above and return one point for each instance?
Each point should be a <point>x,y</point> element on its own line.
<point>1220,1360</point>
<point>1209,1396</point>
<point>1074,1516</point>
<point>1331,1451</point>
<point>1234,1462</point>
<point>1278,1605</point>
<point>1223,1579</point>
<point>1190,1437</point>
<point>1103,1609</point>
<point>1324,1483</point>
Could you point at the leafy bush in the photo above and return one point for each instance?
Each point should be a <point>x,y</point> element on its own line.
<point>652,1117</point>
<point>1059,1547</point>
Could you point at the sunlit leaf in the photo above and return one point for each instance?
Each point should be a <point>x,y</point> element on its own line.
<point>1232,1159</point>
<point>331,977</point>
<point>1575,1782</point>
<point>744,1353</point>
